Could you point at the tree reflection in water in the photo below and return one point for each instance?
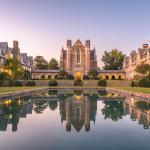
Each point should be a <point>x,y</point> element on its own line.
<point>77,108</point>
<point>39,106</point>
<point>113,110</point>
<point>53,105</point>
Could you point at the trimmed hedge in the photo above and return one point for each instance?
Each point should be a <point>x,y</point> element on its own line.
<point>86,77</point>
<point>53,83</point>
<point>18,83</point>
<point>31,83</point>
<point>144,82</point>
<point>78,82</point>
<point>70,77</point>
<point>102,82</point>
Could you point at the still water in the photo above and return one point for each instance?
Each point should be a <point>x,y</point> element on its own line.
<point>74,120</point>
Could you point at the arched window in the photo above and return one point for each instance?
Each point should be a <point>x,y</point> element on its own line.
<point>78,56</point>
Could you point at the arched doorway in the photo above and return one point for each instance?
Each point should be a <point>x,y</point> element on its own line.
<point>78,76</point>
<point>119,77</point>
<point>43,77</point>
<point>49,77</point>
<point>113,77</point>
<point>107,77</point>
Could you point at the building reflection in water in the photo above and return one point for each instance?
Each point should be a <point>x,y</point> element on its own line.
<point>138,110</point>
<point>77,110</point>
<point>12,110</point>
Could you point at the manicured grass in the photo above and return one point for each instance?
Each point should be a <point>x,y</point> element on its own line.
<point>136,89</point>
<point>4,90</point>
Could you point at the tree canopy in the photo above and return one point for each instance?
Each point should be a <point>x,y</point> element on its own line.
<point>14,66</point>
<point>113,60</point>
<point>143,69</point>
<point>53,64</point>
<point>63,74</point>
<point>93,73</point>
<point>40,62</point>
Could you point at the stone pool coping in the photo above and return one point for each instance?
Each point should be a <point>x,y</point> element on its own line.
<point>114,90</point>
<point>131,93</point>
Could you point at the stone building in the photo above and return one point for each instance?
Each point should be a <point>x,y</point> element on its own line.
<point>142,55</point>
<point>14,53</point>
<point>78,58</point>
<point>78,112</point>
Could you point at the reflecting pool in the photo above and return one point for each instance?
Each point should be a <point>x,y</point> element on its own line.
<point>74,120</point>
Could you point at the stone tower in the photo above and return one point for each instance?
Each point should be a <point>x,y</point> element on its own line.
<point>68,55</point>
<point>87,55</point>
<point>16,51</point>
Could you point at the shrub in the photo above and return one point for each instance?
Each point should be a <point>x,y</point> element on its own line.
<point>53,83</point>
<point>18,83</point>
<point>1,83</point>
<point>134,83</point>
<point>31,83</point>
<point>70,77</point>
<point>7,83</point>
<point>78,82</point>
<point>86,77</point>
<point>102,83</point>
<point>144,82</point>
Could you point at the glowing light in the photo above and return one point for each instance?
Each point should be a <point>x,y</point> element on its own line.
<point>78,97</point>
<point>7,102</point>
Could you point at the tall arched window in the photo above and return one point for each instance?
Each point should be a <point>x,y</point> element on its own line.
<point>78,56</point>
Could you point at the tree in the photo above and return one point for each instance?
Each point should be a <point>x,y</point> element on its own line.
<point>93,73</point>
<point>14,66</point>
<point>113,60</point>
<point>143,69</point>
<point>40,62</point>
<point>53,105</point>
<point>113,110</point>
<point>4,76</point>
<point>63,74</point>
<point>53,64</point>
<point>26,75</point>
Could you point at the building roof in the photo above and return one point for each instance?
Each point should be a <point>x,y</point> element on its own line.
<point>110,71</point>
<point>45,71</point>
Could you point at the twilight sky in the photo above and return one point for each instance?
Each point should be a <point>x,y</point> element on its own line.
<point>43,26</point>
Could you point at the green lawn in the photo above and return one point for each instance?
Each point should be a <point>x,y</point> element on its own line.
<point>135,89</point>
<point>4,90</point>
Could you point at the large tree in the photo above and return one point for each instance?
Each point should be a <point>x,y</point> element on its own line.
<point>14,66</point>
<point>93,73</point>
<point>40,62</point>
<point>53,64</point>
<point>143,69</point>
<point>113,60</point>
<point>63,74</point>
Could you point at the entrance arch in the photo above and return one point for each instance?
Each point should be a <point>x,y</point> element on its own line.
<point>78,76</point>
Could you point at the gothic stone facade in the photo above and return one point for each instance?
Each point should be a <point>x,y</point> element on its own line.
<point>78,58</point>
<point>136,58</point>
<point>14,53</point>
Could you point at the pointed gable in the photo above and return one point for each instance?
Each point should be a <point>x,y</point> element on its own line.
<point>78,42</point>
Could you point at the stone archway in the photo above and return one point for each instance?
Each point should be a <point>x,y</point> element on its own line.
<point>43,77</point>
<point>34,76</point>
<point>107,77</point>
<point>49,77</point>
<point>78,75</point>
<point>113,77</point>
<point>119,77</point>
